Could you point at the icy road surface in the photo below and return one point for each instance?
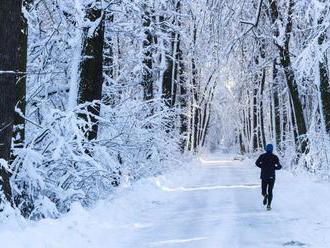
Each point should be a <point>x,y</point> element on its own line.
<point>215,204</point>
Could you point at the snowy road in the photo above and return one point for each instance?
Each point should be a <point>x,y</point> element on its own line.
<point>215,204</point>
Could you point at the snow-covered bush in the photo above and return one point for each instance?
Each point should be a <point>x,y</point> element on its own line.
<point>61,166</point>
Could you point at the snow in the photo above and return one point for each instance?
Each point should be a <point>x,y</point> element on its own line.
<point>213,202</point>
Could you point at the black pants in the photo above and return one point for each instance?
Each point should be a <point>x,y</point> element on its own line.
<point>267,186</point>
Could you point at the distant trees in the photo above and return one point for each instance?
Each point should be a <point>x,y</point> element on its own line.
<point>283,94</point>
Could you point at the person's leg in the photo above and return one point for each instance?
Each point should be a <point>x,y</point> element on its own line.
<point>271,183</point>
<point>264,191</point>
<point>263,187</point>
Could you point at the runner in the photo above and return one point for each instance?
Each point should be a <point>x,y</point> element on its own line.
<point>268,163</point>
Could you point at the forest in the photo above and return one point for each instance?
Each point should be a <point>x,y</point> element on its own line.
<point>97,93</point>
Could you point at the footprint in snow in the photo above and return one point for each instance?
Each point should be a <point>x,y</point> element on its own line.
<point>294,243</point>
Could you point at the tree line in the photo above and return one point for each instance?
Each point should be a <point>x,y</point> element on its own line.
<point>282,90</point>
<point>96,91</point>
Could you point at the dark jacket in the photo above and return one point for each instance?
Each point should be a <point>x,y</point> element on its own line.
<point>268,162</point>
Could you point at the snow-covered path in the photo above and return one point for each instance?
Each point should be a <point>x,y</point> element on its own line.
<point>215,204</point>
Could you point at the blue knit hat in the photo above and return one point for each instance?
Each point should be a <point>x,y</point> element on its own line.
<point>269,148</point>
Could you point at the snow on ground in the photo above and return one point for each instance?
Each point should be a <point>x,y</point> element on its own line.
<point>215,204</point>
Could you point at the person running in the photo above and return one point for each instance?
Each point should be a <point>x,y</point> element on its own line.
<point>268,163</point>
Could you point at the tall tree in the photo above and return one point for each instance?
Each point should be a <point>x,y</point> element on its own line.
<point>19,124</point>
<point>10,14</point>
<point>297,113</point>
<point>171,76</point>
<point>195,109</point>
<point>91,79</point>
<point>276,111</point>
<point>324,78</point>
<point>108,54</point>
<point>147,77</point>
<point>262,92</point>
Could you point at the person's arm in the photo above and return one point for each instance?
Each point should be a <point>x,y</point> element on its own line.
<point>259,162</point>
<point>278,165</point>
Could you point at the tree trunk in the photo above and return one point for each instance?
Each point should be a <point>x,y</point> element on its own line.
<point>182,101</point>
<point>262,88</point>
<point>255,136</point>
<point>324,82</point>
<point>241,144</point>
<point>262,124</point>
<point>90,88</point>
<point>195,109</point>
<point>110,96</point>
<point>298,119</point>
<point>10,14</point>
<point>277,113</point>
<point>19,123</point>
<point>178,87</point>
<point>169,79</point>
<point>207,112</point>
<point>147,81</point>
